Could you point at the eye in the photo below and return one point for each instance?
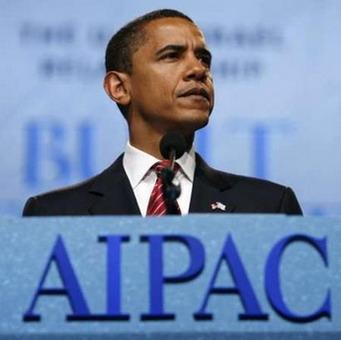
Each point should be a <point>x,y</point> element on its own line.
<point>171,55</point>
<point>206,59</point>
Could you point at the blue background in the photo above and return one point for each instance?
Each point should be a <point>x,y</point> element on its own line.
<point>277,76</point>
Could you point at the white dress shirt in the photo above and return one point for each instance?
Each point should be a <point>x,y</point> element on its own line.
<point>137,165</point>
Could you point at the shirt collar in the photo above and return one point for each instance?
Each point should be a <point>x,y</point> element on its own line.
<point>137,163</point>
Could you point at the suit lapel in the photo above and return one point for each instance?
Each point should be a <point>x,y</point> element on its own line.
<point>112,193</point>
<point>209,190</point>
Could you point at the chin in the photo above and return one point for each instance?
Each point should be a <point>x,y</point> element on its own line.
<point>191,125</point>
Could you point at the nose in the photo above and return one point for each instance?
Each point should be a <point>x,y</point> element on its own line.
<point>196,69</point>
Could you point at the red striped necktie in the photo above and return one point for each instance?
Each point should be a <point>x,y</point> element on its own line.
<point>158,205</point>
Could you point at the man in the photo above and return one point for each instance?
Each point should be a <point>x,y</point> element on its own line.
<point>158,73</point>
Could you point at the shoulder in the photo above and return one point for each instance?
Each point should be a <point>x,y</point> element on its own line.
<point>250,194</point>
<point>70,200</point>
<point>229,180</point>
<point>60,201</point>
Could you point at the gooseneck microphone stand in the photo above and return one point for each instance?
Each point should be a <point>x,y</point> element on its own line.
<point>172,147</point>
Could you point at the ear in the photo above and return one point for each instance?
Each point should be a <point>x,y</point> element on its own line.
<point>116,85</point>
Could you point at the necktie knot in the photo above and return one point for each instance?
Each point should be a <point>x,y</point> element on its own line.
<point>159,166</point>
<point>158,204</point>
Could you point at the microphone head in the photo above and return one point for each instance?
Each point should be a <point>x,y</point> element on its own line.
<point>172,141</point>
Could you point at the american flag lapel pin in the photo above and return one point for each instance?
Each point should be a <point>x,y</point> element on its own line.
<point>218,206</point>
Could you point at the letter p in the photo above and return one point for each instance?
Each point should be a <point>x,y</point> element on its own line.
<point>156,273</point>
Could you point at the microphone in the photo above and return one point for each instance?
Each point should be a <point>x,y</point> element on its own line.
<point>172,147</point>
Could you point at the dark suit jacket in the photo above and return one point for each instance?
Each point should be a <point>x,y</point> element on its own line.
<point>110,193</point>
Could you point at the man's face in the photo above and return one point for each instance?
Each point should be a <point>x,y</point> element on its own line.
<point>171,85</point>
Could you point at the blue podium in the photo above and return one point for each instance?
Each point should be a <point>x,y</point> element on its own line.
<point>193,277</point>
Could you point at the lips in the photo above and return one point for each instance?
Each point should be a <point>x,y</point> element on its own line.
<point>197,91</point>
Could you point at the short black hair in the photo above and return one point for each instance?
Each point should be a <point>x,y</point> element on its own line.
<point>124,43</point>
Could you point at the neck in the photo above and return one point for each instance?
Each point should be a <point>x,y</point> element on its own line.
<point>151,143</point>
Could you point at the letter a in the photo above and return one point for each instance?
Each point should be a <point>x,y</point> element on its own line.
<point>243,286</point>
<point>71,289</point>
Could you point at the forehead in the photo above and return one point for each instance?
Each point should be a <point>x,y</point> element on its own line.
<point>166,31</point>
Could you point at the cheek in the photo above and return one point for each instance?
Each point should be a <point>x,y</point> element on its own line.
<point>164,82</point>
<point>155,90</point>
<point>163,94</point>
